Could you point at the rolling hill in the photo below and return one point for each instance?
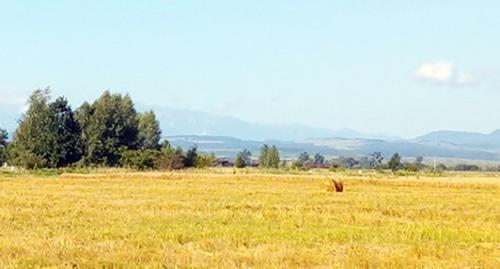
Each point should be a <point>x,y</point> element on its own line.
<point>333,147</point>
<point>227,135</point>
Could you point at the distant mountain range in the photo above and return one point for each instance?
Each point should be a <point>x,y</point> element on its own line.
<point>488,142</point>
<point>333,147</point>
<point>227,135</point>
<point>177,121</point>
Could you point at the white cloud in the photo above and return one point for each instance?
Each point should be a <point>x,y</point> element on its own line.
<point>8,100</point>
<point>444,73</point>
<point>13,99</point>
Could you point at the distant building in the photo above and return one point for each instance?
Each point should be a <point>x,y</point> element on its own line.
<point>224,162</point>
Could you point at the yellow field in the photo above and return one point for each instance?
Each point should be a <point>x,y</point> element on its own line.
<point>217,219</point>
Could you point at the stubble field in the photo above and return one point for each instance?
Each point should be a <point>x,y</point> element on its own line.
<point>222,219</point>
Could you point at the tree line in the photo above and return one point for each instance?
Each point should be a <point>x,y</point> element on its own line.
<point>108,132</point>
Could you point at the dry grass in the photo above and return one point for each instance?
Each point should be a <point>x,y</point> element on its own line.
<point>217,219</point>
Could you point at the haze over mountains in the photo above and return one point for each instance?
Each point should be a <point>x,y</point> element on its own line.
<point>175,121</point>
<point>227,135</point>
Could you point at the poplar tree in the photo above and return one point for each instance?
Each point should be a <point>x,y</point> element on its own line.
<point>269,157</point>
<point>273,157</point>
<point>30,145</point>
<point>64,135</point>
<point>149,133</point>
<point>264,156</point>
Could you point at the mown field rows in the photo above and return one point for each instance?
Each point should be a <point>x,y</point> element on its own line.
<point>217,219</point>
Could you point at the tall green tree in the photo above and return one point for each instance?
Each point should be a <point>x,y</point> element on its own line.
<point>30,145</point>
<point>83,116</point>
<point>395,162</point>
<point>64,135</point>
<point>264,156</point>
<point>3,145</point>
<point>191,157</point>
<point>48,134</point>
<point>376,159</point>
<point>240,161</point>
<point>269,157</point>
<point>319,159</point>
<point>243,159</point>
<point>303,159</point>
<point>149,133</point>
<point>419,162</point>
<point>273,157</point>
<point>110,125</point>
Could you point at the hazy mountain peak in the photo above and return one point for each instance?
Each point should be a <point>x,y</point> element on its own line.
<point>495,134</point>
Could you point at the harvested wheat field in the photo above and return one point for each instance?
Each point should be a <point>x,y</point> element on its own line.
<point>217,219</point>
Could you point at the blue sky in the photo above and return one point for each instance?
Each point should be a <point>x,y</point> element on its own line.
<point>394,67</point>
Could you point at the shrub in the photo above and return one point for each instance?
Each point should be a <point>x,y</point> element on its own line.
<point>239,162</point>
<point>411,167</point>
<point>467,167</point>
<point>171,159</point>
<point>140,159</point>
<point>191,157</point>
<point>395,162</point>
<point>243,159</point>
<point>205,160</point>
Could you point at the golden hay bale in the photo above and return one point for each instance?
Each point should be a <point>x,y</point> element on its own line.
<point>338,186</point>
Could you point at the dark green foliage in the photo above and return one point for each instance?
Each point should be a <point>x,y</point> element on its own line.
<point>3,145</point>
<point>165,146</point>
<point>48,135</point>
<point>239,162</point>
<point>108,125</point>
<point>467,167</point>
<point>31,143</point>
<point>263,158</point>
<point>84,116</point>
<point>319,159</point>
<point>171,159</point>
<point>140,159</point>
<point>108,132</point>
<point>247,155</point>
<point>395,162</point>
<point>347,162</point>
<point>303,159</point>
<point>205,160</point>
<point>269,157</point>
<point>274,157</point>
<point>191,157</point>
<point>243,159</point>
<point>64,139</point>
<point>149,134</point>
